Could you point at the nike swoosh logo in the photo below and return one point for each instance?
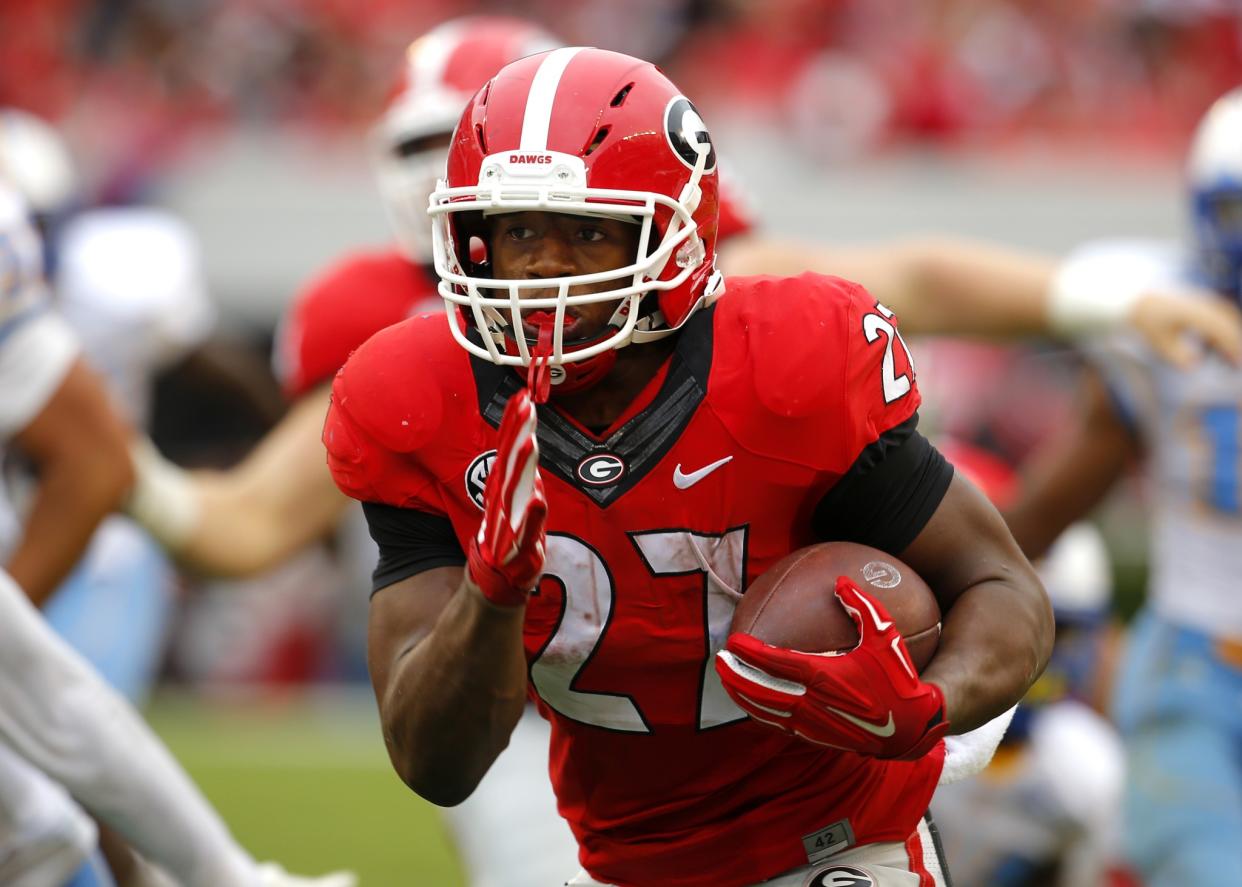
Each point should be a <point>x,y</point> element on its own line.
<point>686,481</point>
<point>882,730</point>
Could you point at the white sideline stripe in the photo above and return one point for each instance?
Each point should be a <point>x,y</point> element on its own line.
<point>538,117</point>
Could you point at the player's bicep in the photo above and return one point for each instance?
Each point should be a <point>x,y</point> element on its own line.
<point>964,543</point>
<point>403,614</point>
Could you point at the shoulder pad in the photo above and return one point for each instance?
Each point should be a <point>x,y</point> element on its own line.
<point>821,362</point>
<point>394,385</point>
<point>795,330</point>
<point>388,403</point>
<point>340,309</point>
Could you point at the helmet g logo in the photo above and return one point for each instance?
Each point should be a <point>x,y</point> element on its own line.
<point>686,130</point>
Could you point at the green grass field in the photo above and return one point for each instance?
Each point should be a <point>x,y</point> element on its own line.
<point>306,782</point>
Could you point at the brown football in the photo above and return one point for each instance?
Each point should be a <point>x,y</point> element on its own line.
<point>794,604</point>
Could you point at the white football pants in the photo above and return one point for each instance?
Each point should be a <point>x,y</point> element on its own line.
<point>508,831</point>
<point>58,715</point>
<point>916,862</point>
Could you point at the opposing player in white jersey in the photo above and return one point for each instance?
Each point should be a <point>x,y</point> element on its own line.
<point>58,719</point>
<point>129,282</point>
<point>1177,698</point>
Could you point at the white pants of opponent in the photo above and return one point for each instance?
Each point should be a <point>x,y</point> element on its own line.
<point>874,865</point>
<point>59,719</point>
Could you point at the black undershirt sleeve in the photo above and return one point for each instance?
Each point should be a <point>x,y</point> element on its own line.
<point>888,494</point>
<point>410,542</point>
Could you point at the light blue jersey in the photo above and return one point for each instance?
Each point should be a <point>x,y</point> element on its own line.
<point>36,348</point>
<point>1188,421</point>
<point>21,263</point>
<point>1180,684</point>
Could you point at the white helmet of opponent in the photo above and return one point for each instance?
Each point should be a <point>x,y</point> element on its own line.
<point>35,161</point>
<point>1214,177</point>
<point>442,71</point>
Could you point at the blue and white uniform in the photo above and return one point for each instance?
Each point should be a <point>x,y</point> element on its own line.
<point>1178,697</point>
<point>36,347</point>
<point>129,282</point>
<point>44,835</point>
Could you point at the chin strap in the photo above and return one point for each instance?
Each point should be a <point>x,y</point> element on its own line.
<point>538,378</point>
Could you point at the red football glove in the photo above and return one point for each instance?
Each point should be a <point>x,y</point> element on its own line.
<point>506,555</point>
<point>868,700</point>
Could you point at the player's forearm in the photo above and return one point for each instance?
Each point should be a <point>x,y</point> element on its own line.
<point>995,642</point>
<point>453,699</point>
<point>951,287</point>
<point>76,491</point>
<point>236,522</point>
<point>240,532</point>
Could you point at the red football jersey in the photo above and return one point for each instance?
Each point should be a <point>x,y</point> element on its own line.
<point>653,529</point>
<point>344,306</point>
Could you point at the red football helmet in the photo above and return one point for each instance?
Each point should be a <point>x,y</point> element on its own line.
<point>582,131</point>
<point>442,70</point>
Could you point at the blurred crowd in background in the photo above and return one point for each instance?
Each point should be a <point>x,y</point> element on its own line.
<point>138,79</point>
<point>137,87</point>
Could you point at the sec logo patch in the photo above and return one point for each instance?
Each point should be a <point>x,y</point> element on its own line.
<point>840,876</point>
<point>476,476</point>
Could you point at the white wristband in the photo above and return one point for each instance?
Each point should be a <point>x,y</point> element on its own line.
<point>1089,297</point>
<point>163,498</point>
<point>969,753</point>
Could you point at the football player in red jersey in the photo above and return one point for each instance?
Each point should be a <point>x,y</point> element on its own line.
<point>279,498</point>
<point>689,442</point>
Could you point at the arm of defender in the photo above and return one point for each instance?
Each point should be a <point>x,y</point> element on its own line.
<point>80,447</point>
<point>252,516</point>
<point>935,285</point>
<point>1074,472</point>
<point>449,674</point>
<point>998,625</point>
<point>948,286</point>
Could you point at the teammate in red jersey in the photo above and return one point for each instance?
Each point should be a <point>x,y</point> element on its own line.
<point>688,444</point>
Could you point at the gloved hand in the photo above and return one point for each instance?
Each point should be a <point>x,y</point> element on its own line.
<point>868,700</point>
<point>506,556</point>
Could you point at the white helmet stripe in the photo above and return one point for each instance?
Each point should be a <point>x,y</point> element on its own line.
<point>538,117</point>
<point>430,55</point>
